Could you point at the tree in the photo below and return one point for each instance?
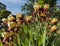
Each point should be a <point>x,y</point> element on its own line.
<point>52,3</point>
<point>28,7</point>
<point>4,13</point>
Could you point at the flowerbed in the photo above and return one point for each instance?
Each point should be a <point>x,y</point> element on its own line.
<point>38,29</point>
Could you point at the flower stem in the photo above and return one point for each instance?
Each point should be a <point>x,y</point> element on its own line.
<point>44,36</point>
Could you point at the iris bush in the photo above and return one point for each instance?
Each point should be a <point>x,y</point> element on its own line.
<point>39,29</point>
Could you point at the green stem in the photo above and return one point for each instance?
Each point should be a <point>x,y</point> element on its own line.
<point>44,37</point>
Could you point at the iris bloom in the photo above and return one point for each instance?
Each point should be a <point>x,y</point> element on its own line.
<point>53,28</point>
<point>36,6</point>
<point>4,20</point>
<point>18,15</point>
<point>10,17</point>
<point>5,34</point>
<point>54,20</point>
<point>46,6</point>
<point>28,18</point>
<point>12,24</point>
<point>43,14</point>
